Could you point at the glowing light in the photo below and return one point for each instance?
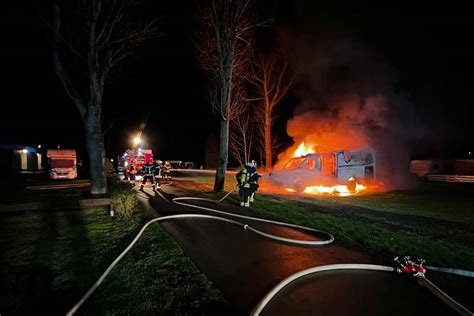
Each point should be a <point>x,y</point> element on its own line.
<point>137,140</point>
<point>39,146</point>
<point>303,150</point>
<point>340,190</point>
<point>25,151</point>
<point>111,160</point>
<point>290,190</point>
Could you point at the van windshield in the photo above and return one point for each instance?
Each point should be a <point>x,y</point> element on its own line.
<point>62,163</point>
<point>294,163</point>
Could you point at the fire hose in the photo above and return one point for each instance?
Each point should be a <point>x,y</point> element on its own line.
<point>268,297</point>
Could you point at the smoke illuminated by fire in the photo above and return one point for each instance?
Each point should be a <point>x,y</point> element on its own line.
<point>315,131</point>
<point>349,98</point>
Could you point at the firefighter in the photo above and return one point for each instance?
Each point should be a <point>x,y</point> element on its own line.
<point>133,172</point>
<point>247,181</point>
<point>253,179</point>
<point>161,169</point>
<point>148,172</point>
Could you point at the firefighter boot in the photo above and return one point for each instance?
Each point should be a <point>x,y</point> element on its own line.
<point>247,204</point>
<point>242,204</point>
<point>252,197</point>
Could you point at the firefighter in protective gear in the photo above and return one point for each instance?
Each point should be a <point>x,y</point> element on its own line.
<point>133,172</point>
<point>247,181</point>
<point>148,172</point>
<point>253,180</point>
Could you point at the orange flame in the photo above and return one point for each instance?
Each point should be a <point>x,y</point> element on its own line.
<point>339,190</point>
<point>303,150</point>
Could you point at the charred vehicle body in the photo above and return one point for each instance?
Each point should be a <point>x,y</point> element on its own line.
<point>348,167</point>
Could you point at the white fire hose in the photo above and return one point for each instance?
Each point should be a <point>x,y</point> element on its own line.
<point>268,297</point>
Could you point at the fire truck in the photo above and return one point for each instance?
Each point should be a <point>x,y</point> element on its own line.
<point>136,156</point>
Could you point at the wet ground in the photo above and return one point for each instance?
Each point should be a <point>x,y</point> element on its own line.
<point>245,267</point>
<point>353,292</point>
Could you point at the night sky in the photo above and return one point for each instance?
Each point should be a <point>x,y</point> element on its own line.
<point>430,47</point>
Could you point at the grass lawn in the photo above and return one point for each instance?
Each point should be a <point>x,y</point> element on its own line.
<point>376,237</point>
<point>229,183</point>
<point>206,178</point>
<point>49,260</point>
<point>438,244</point>
<point>453,202</point>
<point>448,201</point>
<point>13,193</point>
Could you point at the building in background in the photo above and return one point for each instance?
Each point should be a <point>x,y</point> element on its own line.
<point>19,158</point>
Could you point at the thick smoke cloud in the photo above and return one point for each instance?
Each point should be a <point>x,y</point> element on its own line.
<point>348,99</point>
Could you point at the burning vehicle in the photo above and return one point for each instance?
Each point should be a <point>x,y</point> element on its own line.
<point>342,172</point>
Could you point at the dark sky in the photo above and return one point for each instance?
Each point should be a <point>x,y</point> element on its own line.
<point>430,46</point>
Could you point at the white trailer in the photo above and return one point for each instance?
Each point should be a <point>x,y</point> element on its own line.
<point>62,163</point>
<point>336,167</point>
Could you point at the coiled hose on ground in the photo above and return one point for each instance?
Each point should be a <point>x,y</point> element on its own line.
<point>311,243</point>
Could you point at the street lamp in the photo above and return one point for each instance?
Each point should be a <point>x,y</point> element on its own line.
<point>137,141</point>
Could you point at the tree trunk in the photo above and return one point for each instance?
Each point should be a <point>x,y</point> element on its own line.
<point>223,156</point>
<point>268,141</point>
<point>96,150</point>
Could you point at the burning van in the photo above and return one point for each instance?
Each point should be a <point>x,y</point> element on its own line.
<point>342,172</point>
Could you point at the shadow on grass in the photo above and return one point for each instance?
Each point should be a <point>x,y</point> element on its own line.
<point>40,277</point>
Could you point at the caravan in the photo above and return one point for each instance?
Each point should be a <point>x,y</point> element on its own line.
<point>62,163</point>
<point>347,167</point>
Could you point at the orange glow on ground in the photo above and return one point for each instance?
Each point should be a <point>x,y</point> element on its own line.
<point>339,190</point>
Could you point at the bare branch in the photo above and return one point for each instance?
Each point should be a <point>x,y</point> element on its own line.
<point>272,79</point>
<point>58,65</point>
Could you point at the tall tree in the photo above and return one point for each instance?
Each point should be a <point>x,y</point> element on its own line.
<point>224,44</point>
<point>242,135</point>
<point>89,39</point>
<point>272,78</point>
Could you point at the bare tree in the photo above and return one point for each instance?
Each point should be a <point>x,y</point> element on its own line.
<point>242,136</point>
<point>104,34</point>
<point>224,45</point>
<point>272,79</point>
